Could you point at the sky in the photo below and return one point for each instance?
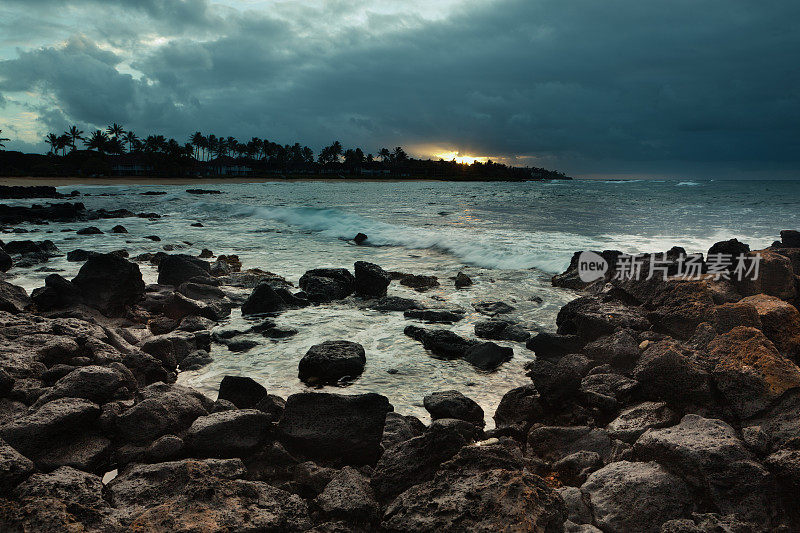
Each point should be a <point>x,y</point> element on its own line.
<point>625,88</point>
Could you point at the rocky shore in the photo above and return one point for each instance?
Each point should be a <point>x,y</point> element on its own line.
<point>658,405</point>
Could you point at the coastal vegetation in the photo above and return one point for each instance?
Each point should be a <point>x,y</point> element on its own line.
<point>116,151</point>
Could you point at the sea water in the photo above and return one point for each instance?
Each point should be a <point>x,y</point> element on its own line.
<point>508,237</point>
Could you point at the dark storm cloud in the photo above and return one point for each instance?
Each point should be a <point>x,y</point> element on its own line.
<point>587,86</point>
<point>180,13</point>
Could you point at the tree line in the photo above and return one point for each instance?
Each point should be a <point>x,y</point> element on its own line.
<point>94,153</point>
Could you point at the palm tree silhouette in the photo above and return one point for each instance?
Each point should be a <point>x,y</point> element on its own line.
<point>197,140</point>
<point>63,142</point>
<point>53,140</point>
<point>131,139</point>
<point>2,140</point>
<point>97,141</point>
<point>115,130</point>
<point>75,135</point>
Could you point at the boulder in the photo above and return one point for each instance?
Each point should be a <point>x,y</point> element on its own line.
<point>173,347</point>
<point>179,268</point>
<point>98,384</point>
<point>436,315</point>
<point>208,495</point>
<point>79,255</point>
<point>13,299</point>
<point>709,455</point>
<point>678,306</point>
<point>729,315</point>
<point>331,361</point>
<point>492,500</point>
<point>553,443</point>
<point>394,303</point>
<point>554,346</point>
<point>360,238</point>
<point>790,238</point>
<point>462,281</point>
<point>500,330</point>
<point>5,261</point>
<point>228,433</point>
<point>785,463</point>
<point>263,299</point>
<point>731,247</point>
<point>775,276</point>
<point>493,308</point>
<point>519,408</point>
<point>419,283</point>
<point>109,283</point>
<point>164,409</point>
<point>590,317</point>
<point>627,496</point>
<point>777,426</point>
<point>64,500</point>
<point>119,228</point>
<point>635,420</point>
<point>666,373</point>
<point>620,350</point>
<point>86,452</point>
<point>371,280</point>
<point>14,467</point>
<point>243,392</point>
<point>558,381</point>
<point>42,249</point>
<point>399,428</point>
<point>488,355</point>
<point>442,343</point>
<point>327,284</point>
<point>453,404</point>
<point>39,429</point>
<point>606,391</point>
<point>348,496</point>
<point>576,467</point>
<point>570,278</point>
<point>91,230</point>
<point>780,322</point>
<point>416,460</point>
<point>750,372</point>
<point>334,426</point>
<point>57,293</point>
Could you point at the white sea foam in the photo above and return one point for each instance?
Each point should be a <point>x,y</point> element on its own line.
<point>546,251</point>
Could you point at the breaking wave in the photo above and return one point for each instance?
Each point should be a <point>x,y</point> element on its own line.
<point>487,249</point>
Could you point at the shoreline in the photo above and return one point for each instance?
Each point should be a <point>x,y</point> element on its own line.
<point>644,405</point>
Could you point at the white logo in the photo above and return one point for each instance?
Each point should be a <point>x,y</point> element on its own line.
<point>591,267</point>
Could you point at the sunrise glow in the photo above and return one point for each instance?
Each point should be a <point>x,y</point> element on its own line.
<point>459,158</point>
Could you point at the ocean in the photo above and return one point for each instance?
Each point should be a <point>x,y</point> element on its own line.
<point>509,237</point>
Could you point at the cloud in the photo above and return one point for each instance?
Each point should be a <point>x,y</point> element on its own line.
<point>585,86</point>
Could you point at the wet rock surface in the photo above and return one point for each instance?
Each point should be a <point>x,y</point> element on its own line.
<point>666,405</point>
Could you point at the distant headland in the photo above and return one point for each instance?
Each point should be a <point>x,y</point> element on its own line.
<point>115,152</point>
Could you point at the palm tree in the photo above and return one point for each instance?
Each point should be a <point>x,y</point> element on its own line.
<point>2,140</point>
<point>197,140</point>
<point>399,154</point>
<point>115,130</point>
<point>132,140</point>
<point>63,142</point>
<point>97,141</point>
<point>385,154</point>
<point>75,135</point>
<point>53,140</point>
<point>211,146</point>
